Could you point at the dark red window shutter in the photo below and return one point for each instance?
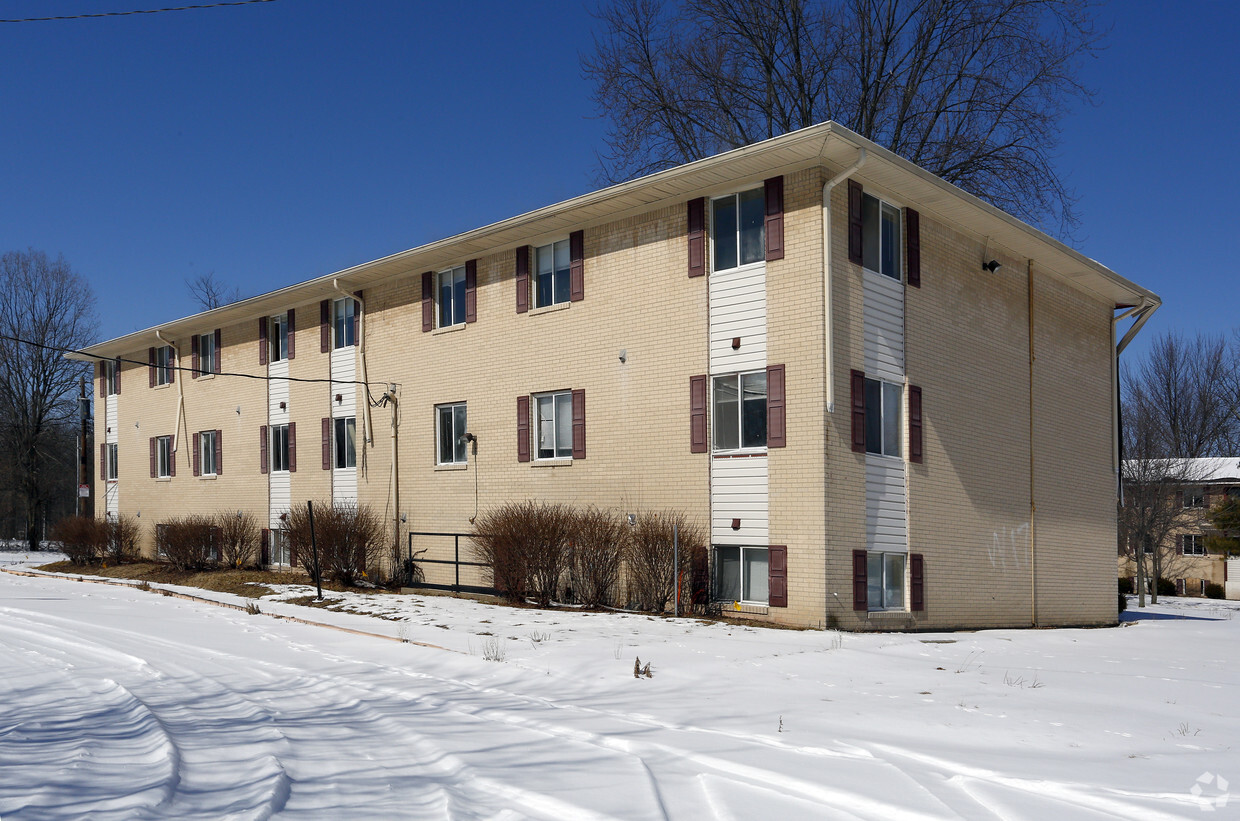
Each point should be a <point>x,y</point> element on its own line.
<point>219,451</point>
<point>99,373</point>
<point>860,580</point>
<point>914,424</point>
<point>116,374</point>
<point>777,575</point>
<point>523,279</point>
<point>325,326</point>
<point>576,266</point>
<point>697,237</point>
<point>265,547</point>
<point>152,457</point>
<point>172,459</point>
<point>1179,543</point>
<point>327,443</point>
<point>774,190</point>
<point>1179,498</point>
<point>579,424</point>
<point>150,371</point>
<point>219,351</point>
<point>292,336</point>
<point>912,246</point>
<point>697,414</point>
<point>172,366</point>
<point>103,462</point>
<point>262,449</point>
<point>195,360</point>
<point>292,447</point>
<point>523,428</point>
<point>196,459</point>
<point>358,319</point>
<point>856,239</point>
<point>917,581</point>
<point>471,290</point>
<point>428,301</point>
<point>262,340</point>
<point>776,415</point>
<point>857,404</point>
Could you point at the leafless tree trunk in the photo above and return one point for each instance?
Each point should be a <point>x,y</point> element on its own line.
<point>971,90</point>
<point>41,301</point>
<point>210,293</point>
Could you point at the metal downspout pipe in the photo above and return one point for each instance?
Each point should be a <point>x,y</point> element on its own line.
<point>176,431</point>
<point>367,433</point>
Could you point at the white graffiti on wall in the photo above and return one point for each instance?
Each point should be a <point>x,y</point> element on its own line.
<point>1009,548</point>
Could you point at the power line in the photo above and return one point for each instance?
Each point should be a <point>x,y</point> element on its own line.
<point>95,356</point>
<point>135,11</point>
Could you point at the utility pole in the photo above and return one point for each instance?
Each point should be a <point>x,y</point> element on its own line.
<point>83,504</point>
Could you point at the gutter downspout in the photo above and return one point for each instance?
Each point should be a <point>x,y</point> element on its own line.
<point>367,436</point>
<point>828,326</point>
<point>176,431</point>
<point>1033,504</point>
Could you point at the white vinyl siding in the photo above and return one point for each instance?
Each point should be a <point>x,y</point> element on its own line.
<point>344,368</point>
<point>740,489</point>
<point>279,483</point>
<point>738,309</point>
<point>884,327</point>
<point>886,506</point>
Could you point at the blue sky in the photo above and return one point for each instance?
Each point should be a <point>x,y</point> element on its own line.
<point>276,142</point>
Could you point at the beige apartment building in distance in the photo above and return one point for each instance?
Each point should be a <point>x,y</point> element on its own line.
<point>891,405</point>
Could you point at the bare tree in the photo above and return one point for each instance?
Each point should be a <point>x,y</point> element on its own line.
<point>45,309</point>
<point>210,293</point>
<point>971,90</point>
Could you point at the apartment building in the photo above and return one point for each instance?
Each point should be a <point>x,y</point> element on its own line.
<point>890,404</point>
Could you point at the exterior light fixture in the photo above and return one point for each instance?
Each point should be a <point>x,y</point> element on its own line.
<point>991,266</point>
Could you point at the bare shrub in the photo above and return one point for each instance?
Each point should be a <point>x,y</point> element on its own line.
<point>599,540</point>
<point>188,542</point>
<point>527,546</point>
<point>124,536</point>
<point>351,539</point>
<point>82,538</point>
<point>238,539</point>
<point>650,557</point>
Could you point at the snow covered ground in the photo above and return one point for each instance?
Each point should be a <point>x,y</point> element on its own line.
<point>120,703</point>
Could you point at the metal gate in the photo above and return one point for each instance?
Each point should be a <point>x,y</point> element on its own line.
<point>439,572</point>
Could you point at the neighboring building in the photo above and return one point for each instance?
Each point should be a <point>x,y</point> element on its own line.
<point>799,343</point>
<point>1187,559</point>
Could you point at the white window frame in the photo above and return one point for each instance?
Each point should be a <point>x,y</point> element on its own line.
<point>744,582</point>
<point>163,457</point>
<point>885,587</point>
<point>896,270</point>
<point>740,447</point>
<point>716,242</point>
<point>556,273</point>
<point>206,453</point>
<point>278,339</point>
<point>891,401</point>
<point>206,354</point>
<point>278,450</point>
<point>560,401</point>
<point>344,322</point>
<point>279,548</point>
<point>344,442</point>
<point>111,469</point>
<point>1197,542</point>
<point>460,451</point>
<point>164,363</point>
<point>455,279</point>
<point>109,376</point>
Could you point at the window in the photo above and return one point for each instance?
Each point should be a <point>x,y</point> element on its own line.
<point>279,338</point>
<point>740,411</point>
<point>279,447</point>
<point>206,453</point>
<point>164,363</point>
<point>344,438</point>
<point>1194,497</point>
<point>880,236</point>
<point>207,353</point>
<point>555,425</point>
<point>452,297</point>
<point>741,574</point>
<point>281,549</point>
<point>344,313</point>
<point>450,422</point>
<point>110,381</point>
<point>882,417</point>
<point>110,456</point>
<point>737,233</point>
<point>1194,545</point>
<point>885,577</point>
<point>163,456</point>
<point>553,263</point>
